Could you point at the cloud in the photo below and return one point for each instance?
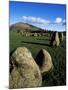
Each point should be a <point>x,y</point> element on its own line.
<point>64,22</point>
<point>58,20</point>
<point>37,20</point>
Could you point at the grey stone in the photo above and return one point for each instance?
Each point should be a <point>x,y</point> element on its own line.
<point>44,61</point>
<point>26,72</point>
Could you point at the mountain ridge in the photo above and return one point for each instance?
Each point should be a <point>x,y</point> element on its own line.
<point>23,26</point>
<point>28,27</point>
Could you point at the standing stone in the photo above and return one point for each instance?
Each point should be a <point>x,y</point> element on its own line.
<point>35,34</point>
<point>44,61</point>
<point>61,36</point>
<point>22,33</point>
<point>25,72</point>
<point>55,39</point>
<point>26,34</point>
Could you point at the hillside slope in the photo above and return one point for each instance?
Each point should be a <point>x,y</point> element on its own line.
<point>23,26</point>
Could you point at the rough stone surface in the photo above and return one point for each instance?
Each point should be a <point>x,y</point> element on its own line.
<point>25,72</point>
<point>55,39</point>
<point>61,36</point>
<point>44,61</point>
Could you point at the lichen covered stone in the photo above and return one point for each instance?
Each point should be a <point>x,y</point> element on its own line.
<point>26,72</point>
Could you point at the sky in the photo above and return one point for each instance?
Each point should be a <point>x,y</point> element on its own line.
<point>43,15</point>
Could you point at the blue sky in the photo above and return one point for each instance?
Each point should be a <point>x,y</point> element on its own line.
<point>46,16</point>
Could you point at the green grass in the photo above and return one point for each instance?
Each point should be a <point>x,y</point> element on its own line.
<point>57,76</point>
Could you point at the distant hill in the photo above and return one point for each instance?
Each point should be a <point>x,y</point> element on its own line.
<point>29,28</point>
<point>24,26</point>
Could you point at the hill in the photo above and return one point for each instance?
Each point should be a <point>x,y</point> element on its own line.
<point>24,27</point>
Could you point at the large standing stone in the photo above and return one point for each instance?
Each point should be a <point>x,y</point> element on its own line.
<point>44,61</point>
<point>26,72</point>
<point>61,36</point>
<point>55,39</point>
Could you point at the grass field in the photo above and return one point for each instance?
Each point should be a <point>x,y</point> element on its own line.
<point>57,76</point>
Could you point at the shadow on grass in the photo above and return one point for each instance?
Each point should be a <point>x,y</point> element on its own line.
<point>36,43</point>
<point>11,52</point>
<point>43,39</point>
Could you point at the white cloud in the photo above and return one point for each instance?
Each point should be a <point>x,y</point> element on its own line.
<point>64,21</point>
<point>37,20</point>
<point>58,20</point>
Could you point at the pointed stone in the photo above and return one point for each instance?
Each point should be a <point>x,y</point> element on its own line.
<point>55,39</point>
<point>44,61</point>
<point>61,36</point>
